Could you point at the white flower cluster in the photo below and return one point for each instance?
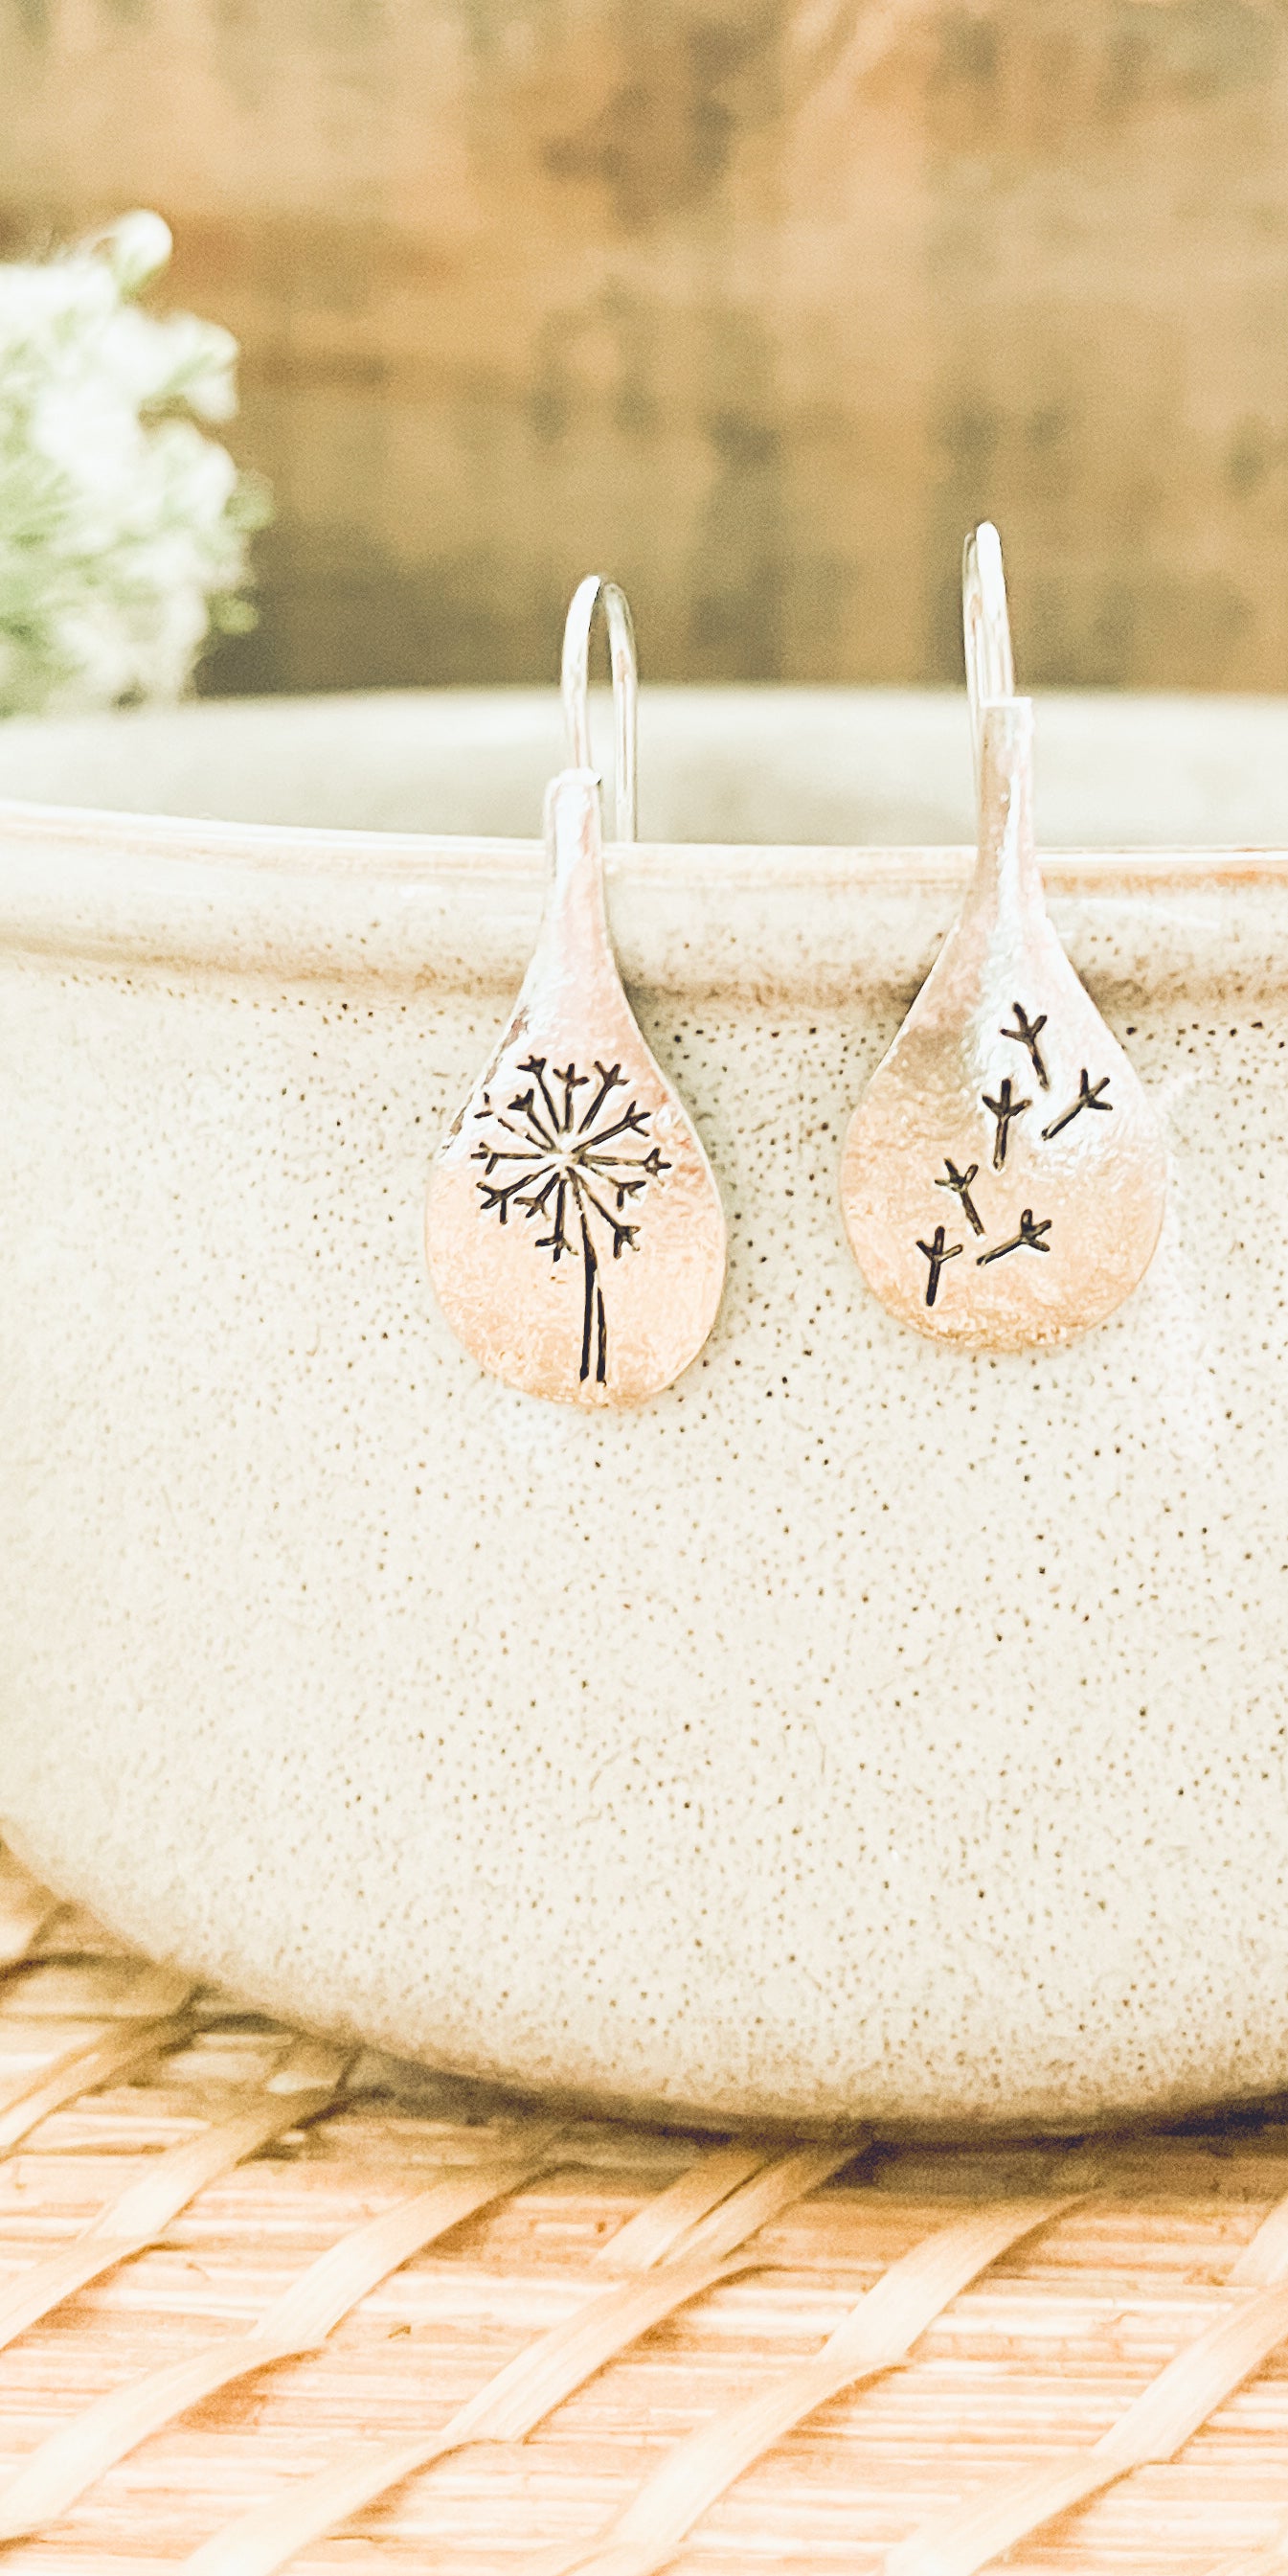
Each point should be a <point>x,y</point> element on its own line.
<point>123,528</point>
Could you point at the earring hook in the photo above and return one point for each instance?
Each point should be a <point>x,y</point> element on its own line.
<point>986,628</point>
<point>575,684</point>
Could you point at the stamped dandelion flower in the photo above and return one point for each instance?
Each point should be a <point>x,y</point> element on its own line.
<point>573,1171</point>
<point>574,1230</point>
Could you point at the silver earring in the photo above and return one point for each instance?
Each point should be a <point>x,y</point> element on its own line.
<point>574,1229</point>
<point>1004,1174</point>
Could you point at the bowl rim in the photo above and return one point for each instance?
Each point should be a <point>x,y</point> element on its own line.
<point>799,923</point>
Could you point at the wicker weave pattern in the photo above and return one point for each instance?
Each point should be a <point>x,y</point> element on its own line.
<point>263,2304</point>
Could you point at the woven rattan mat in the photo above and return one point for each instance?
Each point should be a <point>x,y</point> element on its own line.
<point>263,2304</point>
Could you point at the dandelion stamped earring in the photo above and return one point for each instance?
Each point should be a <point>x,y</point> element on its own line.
<point>575,1234</point>
<point>1004,1175</point>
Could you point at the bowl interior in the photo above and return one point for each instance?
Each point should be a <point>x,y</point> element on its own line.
<point>846,766</point>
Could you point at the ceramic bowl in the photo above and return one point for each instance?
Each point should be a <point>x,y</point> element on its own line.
<point>864,1728</point>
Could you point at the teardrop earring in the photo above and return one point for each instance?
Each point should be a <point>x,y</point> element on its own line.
<point>574,1229</point>
<point>1004,1174</point>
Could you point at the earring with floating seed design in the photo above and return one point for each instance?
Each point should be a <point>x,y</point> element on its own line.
<point>574,1229</point>
<point>985,1091</point>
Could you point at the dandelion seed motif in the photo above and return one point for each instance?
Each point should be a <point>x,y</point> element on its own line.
<point>1026,1034</point>
<point>937,1253</point>
<point>1030,1236</point>
<point>1088,1098</point>
<point>959,1182</point>
<point>1004,1109</point>
<point>570,1169</point>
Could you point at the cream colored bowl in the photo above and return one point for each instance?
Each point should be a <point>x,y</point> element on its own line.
<point>862,1727</point>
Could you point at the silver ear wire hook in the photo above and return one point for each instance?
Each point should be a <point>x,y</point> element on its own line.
<point>575,685</point>
<point>986,629</point>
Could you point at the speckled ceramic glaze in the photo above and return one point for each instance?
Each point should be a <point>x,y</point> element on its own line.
<point>864,1726</point>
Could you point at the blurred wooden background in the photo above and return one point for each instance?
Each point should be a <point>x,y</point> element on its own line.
<point>755,303</point>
